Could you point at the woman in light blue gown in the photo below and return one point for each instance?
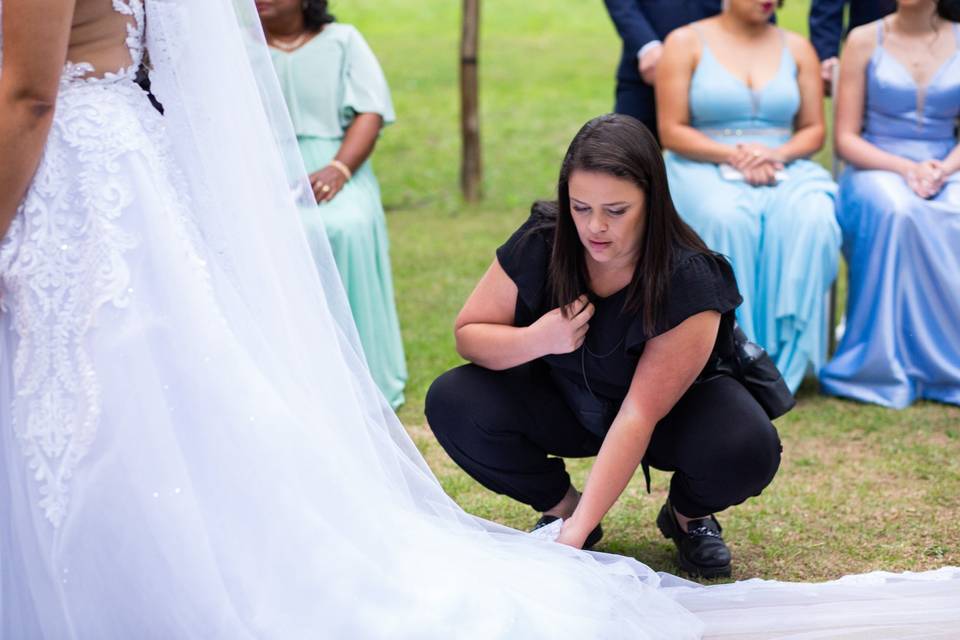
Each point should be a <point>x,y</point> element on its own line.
<point>739,111</point>
<point>897,112</point>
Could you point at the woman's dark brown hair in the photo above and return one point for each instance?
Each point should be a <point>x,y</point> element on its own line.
<point>620,146</point>
<point>949,10</point>
<point>315,14</point>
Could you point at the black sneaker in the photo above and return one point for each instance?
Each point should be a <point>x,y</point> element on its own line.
<point>701,551</point>
<point>591,540</point>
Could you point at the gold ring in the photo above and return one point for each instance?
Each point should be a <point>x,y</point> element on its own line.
<point>325,188</point>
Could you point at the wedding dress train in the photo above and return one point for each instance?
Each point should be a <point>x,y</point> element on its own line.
<point>191,446</point>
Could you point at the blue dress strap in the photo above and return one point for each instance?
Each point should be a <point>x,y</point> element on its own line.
<point>699,31</point>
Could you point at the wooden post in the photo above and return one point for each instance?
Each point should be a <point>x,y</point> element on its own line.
<point>471,167</point>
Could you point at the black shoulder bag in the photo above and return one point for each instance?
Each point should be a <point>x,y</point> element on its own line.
<point>751,365</point>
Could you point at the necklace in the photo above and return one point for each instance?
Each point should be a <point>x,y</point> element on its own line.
<point>584,350</point>
<point>289,45</point>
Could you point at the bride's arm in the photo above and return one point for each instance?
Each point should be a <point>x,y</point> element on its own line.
<point>669,365</point>
<point>35,38</point>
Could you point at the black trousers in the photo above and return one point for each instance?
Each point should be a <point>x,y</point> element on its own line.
<point>506,429</point>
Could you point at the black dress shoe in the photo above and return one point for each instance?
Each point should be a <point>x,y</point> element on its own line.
<point>591,540</point>
<point>701,551</point>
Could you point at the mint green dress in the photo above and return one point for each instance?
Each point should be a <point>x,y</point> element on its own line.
<point>326,82</point>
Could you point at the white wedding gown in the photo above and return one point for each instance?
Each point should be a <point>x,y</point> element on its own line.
<point>191,446</point>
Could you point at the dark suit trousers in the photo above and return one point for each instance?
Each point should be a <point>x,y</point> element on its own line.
<point>637,100</point>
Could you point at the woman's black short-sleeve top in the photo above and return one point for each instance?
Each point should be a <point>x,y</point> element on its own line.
<point>606,362</point>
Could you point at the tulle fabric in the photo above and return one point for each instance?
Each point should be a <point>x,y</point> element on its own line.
<point>873,606</point>
<point>245,479</point>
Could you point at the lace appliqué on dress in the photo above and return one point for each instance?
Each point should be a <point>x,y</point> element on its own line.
<point>83,71</point>
<point>62,260</point>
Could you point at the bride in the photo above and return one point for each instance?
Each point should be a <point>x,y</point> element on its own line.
<point>190,443</point>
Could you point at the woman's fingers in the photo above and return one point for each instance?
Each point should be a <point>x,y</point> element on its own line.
<point>577,306</point>
<point>580,336</point>
<point>755,161</point>
<point>585,314</point>
<point>770,173</point>
<point>326,184</point>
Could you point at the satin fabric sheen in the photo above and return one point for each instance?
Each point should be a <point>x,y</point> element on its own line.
<point>782,240</point>
<point>902,338</point>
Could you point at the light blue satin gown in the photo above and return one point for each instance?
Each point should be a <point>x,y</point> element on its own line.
<point>783,240</point>
<point>902,339</point>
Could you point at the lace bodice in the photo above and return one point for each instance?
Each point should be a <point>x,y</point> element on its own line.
<point>81,71</point>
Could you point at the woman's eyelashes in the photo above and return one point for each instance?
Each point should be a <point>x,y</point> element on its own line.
<point>613,211</point>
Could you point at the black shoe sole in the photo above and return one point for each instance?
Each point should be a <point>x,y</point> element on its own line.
<point>666,526</point>
<point>595,536</point>
<point>703,572</point>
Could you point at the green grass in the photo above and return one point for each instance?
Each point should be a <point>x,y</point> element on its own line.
<point>860,488</point>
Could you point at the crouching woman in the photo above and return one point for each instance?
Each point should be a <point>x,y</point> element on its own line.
<point>594,333</point>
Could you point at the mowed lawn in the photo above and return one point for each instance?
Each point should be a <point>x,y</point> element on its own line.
<point>860,487</point>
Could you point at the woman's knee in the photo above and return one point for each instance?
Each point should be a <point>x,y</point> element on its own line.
<point>725,217</point>
<point>444,403</point>
<point>744,447</point>
<point>810,216</point>
<point>728,229</point>
<point>753,457</point>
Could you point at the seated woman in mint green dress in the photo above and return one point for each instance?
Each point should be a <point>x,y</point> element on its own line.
<point>739,105</point>
<point>897,109</point>
<point>339,100</point>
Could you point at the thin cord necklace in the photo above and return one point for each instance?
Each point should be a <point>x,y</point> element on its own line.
<point>584,350</point>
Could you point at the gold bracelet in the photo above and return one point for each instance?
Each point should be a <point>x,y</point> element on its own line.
<point>342,168</point>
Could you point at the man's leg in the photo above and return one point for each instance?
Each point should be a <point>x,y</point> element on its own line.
<point>636,99</point>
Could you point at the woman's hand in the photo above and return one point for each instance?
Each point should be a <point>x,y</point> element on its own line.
<point>557,334</point>
<point>572,534</point>
<point>762,176</point>
<point>751,154</point>
<point>757,163</point>
<point>327,183</point>
<point>926,178</point>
